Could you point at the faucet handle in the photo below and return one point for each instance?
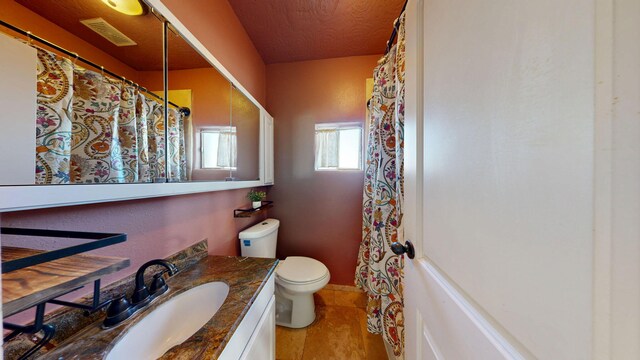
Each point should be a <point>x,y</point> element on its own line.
<point>158,285</point>
<point>140,294</point>
<point>172,269</point>
<point>119,310</point>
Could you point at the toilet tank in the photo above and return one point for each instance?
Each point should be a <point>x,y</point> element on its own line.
<point>260,239</point>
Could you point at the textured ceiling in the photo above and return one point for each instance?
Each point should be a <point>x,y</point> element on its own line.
<point>145,30</point>
<point>295,30</point>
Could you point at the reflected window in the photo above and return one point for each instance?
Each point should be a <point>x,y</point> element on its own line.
<point>219,147</point>
<point>339,146</point>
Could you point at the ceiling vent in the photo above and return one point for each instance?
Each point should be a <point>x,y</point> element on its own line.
<point>108,32</point>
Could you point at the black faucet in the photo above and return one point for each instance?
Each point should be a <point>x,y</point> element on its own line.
<point>120,309</point>
<point>142,295</point>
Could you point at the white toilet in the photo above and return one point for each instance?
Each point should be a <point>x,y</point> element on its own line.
<point>297,277</point>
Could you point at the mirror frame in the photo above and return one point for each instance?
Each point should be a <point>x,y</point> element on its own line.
<point>27,197</point>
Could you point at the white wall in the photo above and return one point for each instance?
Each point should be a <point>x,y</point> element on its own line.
<point>624,153</point>
<point>509,164</point>
<point>17,136</point>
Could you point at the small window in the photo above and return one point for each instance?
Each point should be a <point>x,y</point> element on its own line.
<point>339,146</point>
<point>219,148</point>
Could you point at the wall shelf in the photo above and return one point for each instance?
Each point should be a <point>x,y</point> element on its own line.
<point>31,258</point>
<point>33,277</point>
<point>29,286</point>
<point>242,213</point>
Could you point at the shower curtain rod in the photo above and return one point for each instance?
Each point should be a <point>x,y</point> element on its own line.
<point>185,110</point>
<point>394,33</point>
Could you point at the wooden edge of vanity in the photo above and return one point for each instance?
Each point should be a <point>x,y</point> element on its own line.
<point>27,287</point>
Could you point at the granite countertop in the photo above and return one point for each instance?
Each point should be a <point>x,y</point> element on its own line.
<point>245,277</point>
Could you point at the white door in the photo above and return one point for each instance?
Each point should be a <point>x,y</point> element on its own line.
<point>522,196</point>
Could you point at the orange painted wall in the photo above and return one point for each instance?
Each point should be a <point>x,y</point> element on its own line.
<point>217,27</point>
<point>20,16</point>
<point>320,212</point>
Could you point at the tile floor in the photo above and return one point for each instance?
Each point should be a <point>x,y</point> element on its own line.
<point>339,332</point>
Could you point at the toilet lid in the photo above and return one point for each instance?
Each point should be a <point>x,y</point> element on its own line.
<point>299,269</point>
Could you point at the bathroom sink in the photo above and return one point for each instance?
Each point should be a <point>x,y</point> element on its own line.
<point>171,323</point>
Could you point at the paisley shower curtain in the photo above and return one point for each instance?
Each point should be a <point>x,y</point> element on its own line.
<point>142,113</point>
<point>95,153</point>
<point>155,128</point>
<point>53,118</point>
<point>177,159</point>
<point>91,128</point>
<point>128,133</point>
<point>182,148</point>
<point>379,271</point>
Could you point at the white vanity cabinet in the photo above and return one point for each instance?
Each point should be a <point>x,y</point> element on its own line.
<point>268,148</point>
<point>255,337</point>
<point>262,344</point>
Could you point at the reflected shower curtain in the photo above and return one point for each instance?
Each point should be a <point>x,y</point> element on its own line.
<point>155,129</point>
<point>142,112</point>
<point>96,153</point>
<point>127,132</point>
<point>379,271</point>
<point>91,128</point>
<point>177,161</point>
<point>53,118</point>
<point>182,151</point>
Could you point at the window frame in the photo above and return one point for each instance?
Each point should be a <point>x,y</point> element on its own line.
<point>339,126</point>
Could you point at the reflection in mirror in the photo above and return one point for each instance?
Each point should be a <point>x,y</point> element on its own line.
<point>96,122</point>
<point>245,121</point>
<point>222,140</point>
<point>218,147</point>
<point>209,139</point>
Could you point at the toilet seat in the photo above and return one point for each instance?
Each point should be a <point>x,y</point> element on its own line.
<point>293,283</point>
<point>300,270</point>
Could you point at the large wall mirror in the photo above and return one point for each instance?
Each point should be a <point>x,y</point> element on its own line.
<point>100,116</point>
<point>245,124</point>
<point>222,131</point>
<point>99,113</point>
<point>196,84</point>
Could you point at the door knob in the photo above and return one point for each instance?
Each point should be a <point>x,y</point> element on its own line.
<point>407,248</point>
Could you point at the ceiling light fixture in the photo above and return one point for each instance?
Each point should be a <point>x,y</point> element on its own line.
<point>128,7</point>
